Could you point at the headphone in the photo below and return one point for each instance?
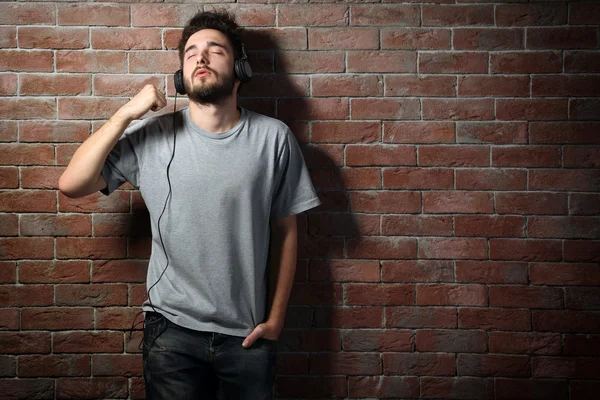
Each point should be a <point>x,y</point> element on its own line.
<point>243,72</point>
<point>241,66</point>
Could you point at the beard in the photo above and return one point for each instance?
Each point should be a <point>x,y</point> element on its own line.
<point>210,93</point>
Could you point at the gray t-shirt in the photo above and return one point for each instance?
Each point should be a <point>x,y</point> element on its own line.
<point>225,189</point>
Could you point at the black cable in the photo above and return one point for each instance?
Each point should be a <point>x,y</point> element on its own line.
<point>160,235</point>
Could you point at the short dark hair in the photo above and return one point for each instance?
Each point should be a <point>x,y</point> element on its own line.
<point>220,20</point>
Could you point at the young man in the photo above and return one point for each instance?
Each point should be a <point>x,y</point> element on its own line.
<point>225,213</point>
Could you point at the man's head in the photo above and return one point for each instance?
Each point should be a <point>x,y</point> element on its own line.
<point>208,48</point>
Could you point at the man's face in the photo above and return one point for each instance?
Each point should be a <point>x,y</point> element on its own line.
<point>208,67</point>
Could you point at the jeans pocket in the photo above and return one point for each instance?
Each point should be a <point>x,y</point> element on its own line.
<point>154,325</point>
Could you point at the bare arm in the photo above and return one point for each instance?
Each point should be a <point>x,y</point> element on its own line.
<point>83,174</point>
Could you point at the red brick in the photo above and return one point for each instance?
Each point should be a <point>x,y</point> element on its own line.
<point>53,37</point>
<point>279,38</point>
<point>417,271</point>
<point>27,388</point>
<point>525,62</point>
<point>581,156</point>
<point>418,364</point>
<point>25,342</point>
<point>27,154</point>
<point>418,225</point>
<point>562,38</point>
<point>493,365</point>
<point>583,13</point>
<point>382,247</point>
<point>8,84</point>
<point>93,14</point>
<point>26,60</point>
<point>257,15</point>
<point>383,386</point>
<point>488,39</point>
<point>415,38</point>
<point>457,202</point>
<point>491,272</point>
<point>360,178</point>
<point>93,248</point>
<point>9,223</point>
<point>453,63</point>
<point>531,14</point>
<point>512,86</point>
<point>524,343</point>
<point>8,37</point>
<point>451,341</point>
<point>491,179</point>
<point>458,109</point>
<point>418,178</point>
<point>420,317</point>
<point>385,201</point>
<point>561,274</point>
<point>347,85</point>
<point>313,109</point>
<point>88,108</point>
<point>457,388</point>
<point>378,294</point>
<point>581,345</point>
<point>54,271</point>
<point>116,365</point>
<point>456,156</point>
<point>92,61</point>
<point>23,247</point>
<point>559,179</point>
<point>124,85</point>
<point>312,15</point>
<point>494,319</point>
<point>25,108</point>
<point>525,389</point>
<point>9,179</point>
<point>28,14</point>
<point>8,366</point>
<point>348,317</point>
<point>418,132</point>
<point>126,38</point>
<point>563,227</point>
<point>343,38</point>
<point>344,271</point>
<point>324,155</point>
<point>375,61</point>
<point>373,15</point>
<point>8,131</point>
<point>57,318</point>
<point>88,342</point>
<point>583,390</point>
<point>343,225</point>
<point>531,203</point>
<point>377,340</point>
<point>317,62</point>
<point>271,86</point>
<point>91,295</point>
<point>53,131</point>
<point>388,108</point>
<point>582,61</point>
<point>54,365</point>
<point>386,155</point>
<point>345,363</point>
<point>566,367</point>
<point>566,321</point>
<point>161,14</point>
<point>525,249</point>
<point>452,295</point>
<point>119,271</point>
<point>564,132</point>
<point>26,295</point>
<point>526,297</point>
<point>316,294</point>
<point>401,85</point>
<point>55,225</point>
<point>92,388</point>
<point>565,85</point>
<point>530,156</point>
<point>531,109</point>
<point>457,15</point>
<point>582,298</point>
<point>584,109</point>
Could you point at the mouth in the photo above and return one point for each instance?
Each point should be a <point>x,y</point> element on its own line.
<point>202,72</point>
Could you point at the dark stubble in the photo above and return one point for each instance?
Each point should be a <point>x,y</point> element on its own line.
<point>210,93</point>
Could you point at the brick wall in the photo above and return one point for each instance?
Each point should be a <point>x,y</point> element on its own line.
<point>456,149</point>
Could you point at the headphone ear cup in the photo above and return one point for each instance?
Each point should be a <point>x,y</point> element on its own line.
<point>243,70</point>
<point>178,81</point>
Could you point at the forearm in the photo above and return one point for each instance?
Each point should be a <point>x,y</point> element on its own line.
<point>282,269</point>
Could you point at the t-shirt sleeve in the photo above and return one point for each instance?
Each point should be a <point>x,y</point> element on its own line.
<point>123,162</point>
<point>294,191</point>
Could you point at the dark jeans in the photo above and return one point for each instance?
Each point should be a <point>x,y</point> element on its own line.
<point>180,364</point>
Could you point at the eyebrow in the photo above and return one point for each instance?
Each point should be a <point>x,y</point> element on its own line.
<point>210,44</point>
